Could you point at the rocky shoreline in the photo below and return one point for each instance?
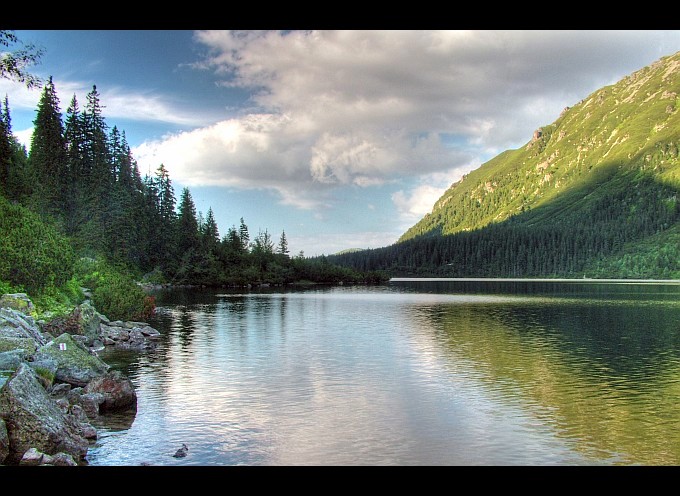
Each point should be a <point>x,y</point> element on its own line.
<point>53,383</point>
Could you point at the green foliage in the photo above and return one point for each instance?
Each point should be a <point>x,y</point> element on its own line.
<point>33,255</point>
<point>13,64</point>
<point>58,301</point>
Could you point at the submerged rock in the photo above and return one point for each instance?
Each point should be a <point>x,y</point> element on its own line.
<point>182,452</point>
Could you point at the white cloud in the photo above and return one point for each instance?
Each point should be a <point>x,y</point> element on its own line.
<point>412,205</point>
<point>370,107</point>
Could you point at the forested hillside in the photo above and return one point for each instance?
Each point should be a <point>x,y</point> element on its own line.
<point>593,194</point>
<point>78,194</point>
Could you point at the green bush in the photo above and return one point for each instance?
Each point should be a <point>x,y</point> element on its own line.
<point>118,297</point>
<point>33,255</point>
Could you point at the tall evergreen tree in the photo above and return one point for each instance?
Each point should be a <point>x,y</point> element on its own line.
<point>244,235</point>
<point>78,172</point>
<point>282,248</point>
<point>187,228</point>
<point>47,157</point>
<point>5,158</point>
<point>210,232</point>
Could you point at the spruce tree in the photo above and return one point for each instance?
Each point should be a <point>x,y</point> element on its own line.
<point>78,173</point>
<point>47,159</point>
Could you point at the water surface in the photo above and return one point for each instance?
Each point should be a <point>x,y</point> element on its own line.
<point>416,372</point>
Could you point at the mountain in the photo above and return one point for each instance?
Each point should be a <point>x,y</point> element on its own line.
<point>594,193</point>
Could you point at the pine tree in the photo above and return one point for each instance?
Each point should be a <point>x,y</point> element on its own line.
<point>187,228</point>
<point>210,231</point>
<point>5,158</point>
<point>78,174</point>
<point>283,245</point>
<point>244,235</point>
<point>48,159</point>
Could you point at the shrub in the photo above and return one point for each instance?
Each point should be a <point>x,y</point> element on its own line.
<point>118,297</point>
<point>33,255</point>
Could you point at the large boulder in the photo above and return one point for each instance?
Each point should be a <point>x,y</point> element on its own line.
<point>119,392</point>
<point>33,419</point>
<point>17,301</point>
<point>88,321</point>
<point>19,331</point>
<point>10,360</point>
<point>75,364</point>
<point>83,321</point>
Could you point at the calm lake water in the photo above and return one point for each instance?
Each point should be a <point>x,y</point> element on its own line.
<point>415,372</point>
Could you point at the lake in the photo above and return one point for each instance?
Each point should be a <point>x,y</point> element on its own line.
<point>414,372</point>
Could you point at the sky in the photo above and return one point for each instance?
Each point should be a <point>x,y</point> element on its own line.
<point>342,139</point>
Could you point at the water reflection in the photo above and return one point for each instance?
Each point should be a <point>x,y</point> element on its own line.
<point>604,374</point>
<point>410,373</point>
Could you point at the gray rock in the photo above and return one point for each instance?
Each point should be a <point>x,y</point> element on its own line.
<point>34,420</point>
<point>32,458</point>
<point>25,325</point>
<point>17,301</point>
<point>78,412</point>
<point>62,404</point>
<point>115,333</point>
<point>87,431</point>
<point>131,324</point>
<point>88,321</point>
<point>62,460</point>
<point>150,332</point>
<point>136,336</point>
<point>4,442</point>
<point>60,390</point>
<point>119,392</point>
<point>46,370</point>
<point>10,360</point>
<point>104,319</point>
<point>75,364</point>
<point>91,403</point>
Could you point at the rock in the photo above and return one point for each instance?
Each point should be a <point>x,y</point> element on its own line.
<point>88,321</point>
<point>150,332</point>
<point>10,360</point>
<point>46,370</point>
<point>62,460</point>
<point>87,431</point>
<point>115,333</point>
<point>9,343</point>
<point>132,325</point>
<point>34,420</point>
<point>4,442</point>
<point>136,336</point>
<point>60,390</point>
<point>32,458</point>
<point>182,452</point>
<point>24,325</point>
<point>75,364</point>
<point>17,301</point>
<point>119,392</point>
<point>91,402</point>
<point>78,412</point>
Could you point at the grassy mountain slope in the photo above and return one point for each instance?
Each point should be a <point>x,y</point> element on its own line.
<point>595,193</point>
<point>612,139</point>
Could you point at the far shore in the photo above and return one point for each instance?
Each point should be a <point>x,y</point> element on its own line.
<point>519,279</point>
